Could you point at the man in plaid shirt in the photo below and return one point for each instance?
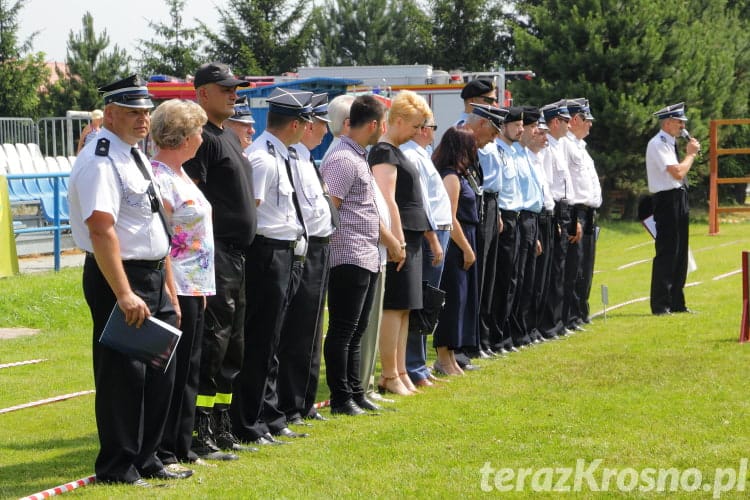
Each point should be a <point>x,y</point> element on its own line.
<point>355,260</point>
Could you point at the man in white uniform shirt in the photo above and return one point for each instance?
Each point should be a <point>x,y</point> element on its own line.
<point>281,241</point>
<point>667,180</point>
<point>301,340</point>
<point>588,200</point>
<point>556,169</point>
<point>116,216</point>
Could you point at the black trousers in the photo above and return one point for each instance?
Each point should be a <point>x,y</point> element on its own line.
<point>669,271</point>
<point>542,270</point>
<point>178,433</point>
<point>223,330</point>
<point>132,399</point>
<point>588,244</point>
<point>505,281</point>
<point>351,291</point>
<point>520,321</point>
<point>573,260</point>
<point>552,318</point>
<point>300,347</point>
<point>487,241</point>
<point>268,271</point>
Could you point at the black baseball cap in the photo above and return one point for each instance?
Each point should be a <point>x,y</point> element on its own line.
<point>218,73</point>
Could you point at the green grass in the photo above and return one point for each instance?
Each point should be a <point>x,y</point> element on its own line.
<point>634,391</point>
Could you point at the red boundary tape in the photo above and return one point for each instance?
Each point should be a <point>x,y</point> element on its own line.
<point>63,488</point>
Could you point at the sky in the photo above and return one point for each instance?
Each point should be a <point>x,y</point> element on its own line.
<point>125,21</point>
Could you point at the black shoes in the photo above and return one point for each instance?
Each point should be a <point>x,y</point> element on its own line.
<point>225,439</point>
<point>289,433</point>
<point>687,310</point>
<point>317,416</point>
<point>299,421</point>
<point>203,443</point>
<point>167,474</point>
<point>349,408</point>
<point>366,404</point>
<point>268,440</point>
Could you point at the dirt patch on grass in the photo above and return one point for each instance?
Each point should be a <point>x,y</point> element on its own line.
<point>12,333</point>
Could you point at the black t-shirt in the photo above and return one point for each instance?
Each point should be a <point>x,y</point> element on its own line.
<point>224,175</point>
<point>408,185</point>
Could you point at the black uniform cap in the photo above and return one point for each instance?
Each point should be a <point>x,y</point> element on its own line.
<point>478,87</point>
<point>130,92</point>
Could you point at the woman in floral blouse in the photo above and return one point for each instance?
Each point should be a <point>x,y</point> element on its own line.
<point>176,128</point>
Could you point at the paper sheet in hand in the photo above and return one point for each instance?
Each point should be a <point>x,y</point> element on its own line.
<point>153,343</point>
<point>650,224</point>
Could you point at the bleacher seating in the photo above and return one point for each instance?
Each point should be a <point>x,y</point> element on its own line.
<point>28,159</point>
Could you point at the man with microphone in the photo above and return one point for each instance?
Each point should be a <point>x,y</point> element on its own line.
<point>667,180</point>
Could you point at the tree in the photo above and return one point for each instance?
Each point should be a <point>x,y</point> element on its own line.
<point>261,36</point>
<point>352,32</point>
<point>22,73</point>
<point>176,54</point>
<point>89,67</point>
<point>469,34</point>
<point>630,59</point>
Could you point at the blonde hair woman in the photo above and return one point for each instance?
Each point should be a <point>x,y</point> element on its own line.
<point>176,128</point>
<point>399,181</point>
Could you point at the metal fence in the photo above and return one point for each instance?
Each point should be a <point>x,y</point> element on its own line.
<point>58,136</point>
<point>18,130</point>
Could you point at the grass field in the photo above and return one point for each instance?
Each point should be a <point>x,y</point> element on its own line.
<point>634,391</point>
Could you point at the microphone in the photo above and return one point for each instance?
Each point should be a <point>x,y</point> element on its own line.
<point>685,134</point>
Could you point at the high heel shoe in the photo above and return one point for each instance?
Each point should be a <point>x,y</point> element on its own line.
<point>392,385</point>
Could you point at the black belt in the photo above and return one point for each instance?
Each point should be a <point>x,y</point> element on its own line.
<point>528,213</point>
<point>511,214</point>
<point>271,242</point>
<point>299,258</point>
<point>489,194</point>
<point>148,264</point>
<point>319,239</point>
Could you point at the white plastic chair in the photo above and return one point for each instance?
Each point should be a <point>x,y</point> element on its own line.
<point>63,163</point>
<point>52,165</point>
<point>34,149</point>
<point>27,162</point>
<point>14,162</point>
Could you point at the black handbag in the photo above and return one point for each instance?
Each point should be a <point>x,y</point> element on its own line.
<point>424,321</point>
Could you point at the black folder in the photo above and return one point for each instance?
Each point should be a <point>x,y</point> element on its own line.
<point>153,343</point>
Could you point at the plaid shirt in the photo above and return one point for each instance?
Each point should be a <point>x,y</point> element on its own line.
<point>347,174</point>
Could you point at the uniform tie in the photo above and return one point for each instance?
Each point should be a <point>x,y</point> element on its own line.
<point>156,205</point>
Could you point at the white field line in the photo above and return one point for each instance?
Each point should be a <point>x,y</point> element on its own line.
<point>21,363</point>
<point>45,401</point>
<point>726,275</point>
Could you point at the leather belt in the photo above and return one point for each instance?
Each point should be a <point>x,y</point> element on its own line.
<point>319,239</point>
<point>147,264</point>
<point>511,214</point>
<point>271,242</point>
<point>299,258</point>
<point>490,194</point>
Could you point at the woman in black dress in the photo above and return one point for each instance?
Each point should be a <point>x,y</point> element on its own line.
<point>455,158</point>
<point>399,181</point>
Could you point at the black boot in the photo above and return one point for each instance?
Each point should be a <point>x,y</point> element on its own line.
<point>225,439</point>
<point>203,442</point>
